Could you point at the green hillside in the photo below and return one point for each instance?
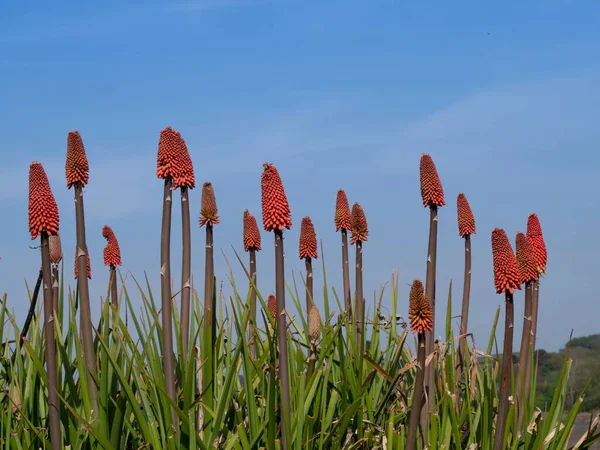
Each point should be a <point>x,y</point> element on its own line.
<point>585,353</point>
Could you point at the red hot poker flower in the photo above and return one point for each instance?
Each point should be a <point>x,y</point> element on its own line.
<point>419,309</point>
<point>431,186</point>
<point>208,206</point>
<point>184,174</point>
<point>525,259</point>
<point>466,221</point>
<point>251,233</point>
<point>87,264</point>
<point>308,239</point>
<point>535,237</point>
<point>43,212</point>
<point>272,306</point>
<point>358,227</point>
<point>76,167</point>
<point>112,252</point>
<point>507,277</point>
<point>342,211</point>
<point>169,145</point>
<point>275,207</point>
<point>55,249</point>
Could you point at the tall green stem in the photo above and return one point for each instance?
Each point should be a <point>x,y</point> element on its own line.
<point>165,291</point>
<point>522,376</point>
<point>346,273</point>
<point>506,373</point>
<point>430,335</point>
<point>252,331</point>
<point>84,298</point>
<point>464,315</point>
<point>534,312</point>
<point>417,401</point>
<point>208,370</point>
<point>53,405</point>
<point>282,338</point>
<point>114,293</point>
<point>309,285</point>
<point>359,313</point>
<point>186,267</point>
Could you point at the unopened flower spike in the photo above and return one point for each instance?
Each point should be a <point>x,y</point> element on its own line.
<point>342,212</point>
<point>507,277</point>
<point>419,309</point>
<point>208,206</point>
<point>308,239</point>
<point>358,227</point>
<point>112,252</point>
<point>77,167</point>
<point>252,238</point>
<point>275,207</point>
<point>535,237</point>
<point>466,221</point>
<point>43,211</point>
<point>431,186</point>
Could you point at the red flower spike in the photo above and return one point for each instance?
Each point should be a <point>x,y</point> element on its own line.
<point>251,233</point>
<point>466,221</point>
<point>55,249</point>
<point>169,146</point>
<point>208,206</point>
<point>535,237</point>
<point>112,252</point>
<point>507,277</point>
<point>184,176</point>
<point>431,186</point>
<point>272,306</point>
<point>43,212</point>
<point>308,239</point>
<point>342,211</point>
<point>275,207</point>
<point>76,167</point>
<point>87,263</point>
<point>525,259</point>
<point>419,309</point>
<point>358,227</point>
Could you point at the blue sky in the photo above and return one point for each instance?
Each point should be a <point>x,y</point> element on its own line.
<point>348,94</point>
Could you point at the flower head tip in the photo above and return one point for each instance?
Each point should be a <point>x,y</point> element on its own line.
<point>77,167</point>
<point>466,221</point>
<point>535,237</point>
<point>431,186</point>
<point>275,207</point>
<point>251,233</point>
<point>507,277</point>
<point>342,211</point>
<point>112,252</point>
<point>208,206</point>
<point>420,313</point>
<point>43,211</point>
<point>358,227</point>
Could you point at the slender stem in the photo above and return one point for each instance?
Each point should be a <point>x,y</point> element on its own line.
<point>417,403</point>
<point>506,373</point>
<point>84,298</point>
<point>529,290</point>
<point>186,268</point>
<point>309,285</point>
<point>53,405</point>
<point>312,360</point>
<point>358,314</point>
<point>114,293</point>
<point>31,312</point>
<point>208,371</point>
<point>55,288</point>
<point>524,357</point>
<point>165,284</point>
<point>346,272</point>
<point>282,337</point>
<point>252,331</point>
<point>430,292</point>
<point>534,312</point>
<point>464,315</point>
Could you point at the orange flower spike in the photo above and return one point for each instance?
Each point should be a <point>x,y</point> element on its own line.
<point>112,252</point>
<point>272,306</point>
<point>431,186</point>
<point>466,221</point>
<point>184,174</point>
<point>526,259</point>
<point>308,239</point>
<point>507,277</point>
<point>43,211</point>
<point>342,211</point>
<point>419,309</point>
<point>77,167</point>
<point>87,263</point>
<point>358,227</point>
<point>275,208</point>
<point>251,233</point>
<point>55,249</point>
<point>208,206</point>
<point>169,146</point>
<point>535,237</point>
